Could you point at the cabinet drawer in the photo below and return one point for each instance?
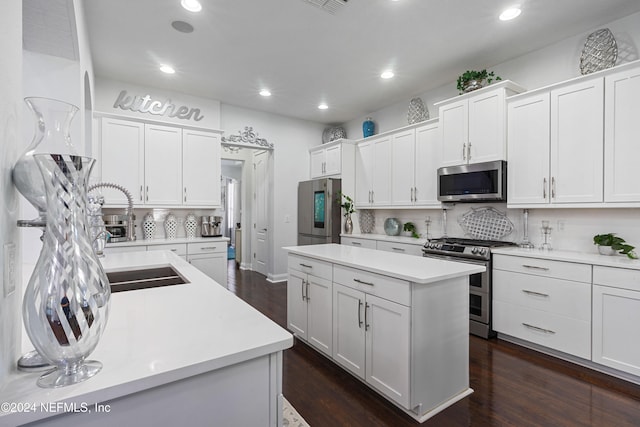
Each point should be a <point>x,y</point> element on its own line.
<point>617,277</point>
<point>550,330</point>
<point>385,287</point>
<point>178,248</point>
<point>400,248</point>
<point>543,267</point>
<point>360,243</point>
<point>206,247</point>
<point>312,266</point>
<point>562,297</point>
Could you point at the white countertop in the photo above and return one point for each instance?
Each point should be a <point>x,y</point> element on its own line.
<point>621,261</point>
<point>157,336</point>
<point>411,268</point>
<point>146,242</point>
<point>398,239</point>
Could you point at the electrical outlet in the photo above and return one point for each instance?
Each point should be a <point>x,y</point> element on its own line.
<point>560,225</point>
<point>287,219</point>
<point>9,278</point>
<point>180,220</point>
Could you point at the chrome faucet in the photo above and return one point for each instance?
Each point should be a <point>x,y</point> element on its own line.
<point>131,235</point>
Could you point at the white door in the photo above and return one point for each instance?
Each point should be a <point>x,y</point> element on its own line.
<point>261,197</point>
<point>348,329</point>
<point>387,349</point>
<point>402,168</point>
<point>577,142</point>
<point>297,303</point>
<point>319,330</point>
<point>201,168</point>
<point>528,142</point>
<point>427,160</point>
<point>163,165</point>
<point>486,127</point>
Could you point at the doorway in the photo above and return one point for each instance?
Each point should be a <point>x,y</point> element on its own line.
<point>230,191</point>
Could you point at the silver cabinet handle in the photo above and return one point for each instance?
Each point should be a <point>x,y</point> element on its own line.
<point>535,267</point>
<point>398,249</point>
<point>305,265</point>
<point>141,199</point>
<point>412,194</point>
<point>304,297</point>
<point>174,250</point>
<point>356,243</point>
<point>373,197</point>
<point>366,323</point>
<point>308,297</point>
<point>553,187</point>
<point>415,194</point>
<point>359,318</point>
<point>185,194</point>
<point>534,293</point>
<point>464,151</point>
<point>468,151</point>
<point>363,282</point>
<point>208,247</point>
<point>147,195</point>
<point>546,331</point>
<point>544,188</point>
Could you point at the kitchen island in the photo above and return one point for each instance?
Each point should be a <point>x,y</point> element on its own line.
<point>398,323</point>
<point>191,353</point>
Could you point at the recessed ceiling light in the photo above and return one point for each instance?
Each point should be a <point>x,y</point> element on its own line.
<point>191,5</point>
<point>265,92</point>
<point>167,69</point>
<point>511,13</point>
<point>183,27</point>
<point>323,106</point>
<point>387,74</point>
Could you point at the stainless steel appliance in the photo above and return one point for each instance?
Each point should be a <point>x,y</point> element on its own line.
<point>479,182</point>
<point>210,226</point>
<point>480,288</point>
<point>319,211</point>
<point>119,227</point>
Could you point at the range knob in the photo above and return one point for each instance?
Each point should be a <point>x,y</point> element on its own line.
<point>483,251</point>
<point>474,250</point>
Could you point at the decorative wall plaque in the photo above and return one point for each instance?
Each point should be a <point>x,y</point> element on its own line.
<point>145,104</point>
<point>247,138</point>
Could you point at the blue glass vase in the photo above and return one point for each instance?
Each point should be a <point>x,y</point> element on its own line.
<point>368,127</point>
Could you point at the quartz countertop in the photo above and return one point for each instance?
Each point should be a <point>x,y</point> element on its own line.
<point>147,242</point>
<point>620,261</point>
<point>411,268</point>
<point>398,239</point>
<point>157,336</point>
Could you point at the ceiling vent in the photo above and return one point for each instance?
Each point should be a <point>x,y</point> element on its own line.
<point>331,6</point>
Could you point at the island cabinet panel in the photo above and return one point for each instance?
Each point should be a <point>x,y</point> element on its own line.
<point>309,302</point>
<point>616,316</point>
<point>544,302</point>
<point>348,328</point>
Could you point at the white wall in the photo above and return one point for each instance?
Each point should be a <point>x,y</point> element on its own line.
<point>573,229</point>
<point>292,139</point>
<point>10,144</point>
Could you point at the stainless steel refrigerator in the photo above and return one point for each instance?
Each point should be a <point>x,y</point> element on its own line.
<point>319,211</point>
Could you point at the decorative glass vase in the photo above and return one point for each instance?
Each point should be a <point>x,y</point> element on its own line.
<point>368,127</point>
<point>66,303</point>
<point>348,225</point>
<point>53,120</point>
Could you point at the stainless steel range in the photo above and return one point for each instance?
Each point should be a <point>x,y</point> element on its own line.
<point>480,287</point>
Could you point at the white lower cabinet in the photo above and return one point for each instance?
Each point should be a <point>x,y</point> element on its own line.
<point>210,258</point>
<point>544,302</point>
<point>616,315</point>
<point>399,248</point>
<point>309,301</point>
<point>359,243</point>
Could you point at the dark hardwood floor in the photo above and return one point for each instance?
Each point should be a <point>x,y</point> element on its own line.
<point>513,386</point>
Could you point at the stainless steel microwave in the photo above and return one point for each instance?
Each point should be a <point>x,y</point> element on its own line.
<point>477,182</point>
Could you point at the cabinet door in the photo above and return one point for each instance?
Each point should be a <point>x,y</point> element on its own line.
<point>486,140</point>
<point>201,168</point>
<point>621,130</point>
<point>528,143</point>
<point>317,163</point>
<point>297,303</point>
<point>163,165</point>
<point>616,315</point>
<point>381,179</point>
<point>364,178</point>
<point>454,131</point>
<point>319,326</point>
<point>402,168</point>
<point>122,159</point>
<point>387,348</point>
<point>577,142</point>
<point>213,265</point>
<point>333,160</point>
<point>348,329</point>
<point>427,161</point>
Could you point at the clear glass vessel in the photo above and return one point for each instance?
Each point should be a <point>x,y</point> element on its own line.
<point>66,303</point>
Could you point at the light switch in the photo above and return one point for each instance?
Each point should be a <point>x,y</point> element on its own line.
<point>287,219</point>
<point>9,278</point>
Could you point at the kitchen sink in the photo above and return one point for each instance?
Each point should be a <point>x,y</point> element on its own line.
<point>144,278</point>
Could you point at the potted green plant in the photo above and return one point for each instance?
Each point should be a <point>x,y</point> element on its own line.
<point>610,244</point>
<point>472,80</point>
<point>410,229</point>
<point>347,204</point>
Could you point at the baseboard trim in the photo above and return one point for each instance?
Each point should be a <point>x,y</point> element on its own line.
<point>277,278</point>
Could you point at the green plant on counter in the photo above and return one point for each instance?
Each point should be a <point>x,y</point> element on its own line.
<point>347,205</point>
<point>411,227</point>
<point>478,76</point>
<point>617,244</point>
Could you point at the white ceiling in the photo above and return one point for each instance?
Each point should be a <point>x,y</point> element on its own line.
<point>305,55</point>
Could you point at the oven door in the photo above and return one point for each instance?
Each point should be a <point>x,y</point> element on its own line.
<point>478,281</point>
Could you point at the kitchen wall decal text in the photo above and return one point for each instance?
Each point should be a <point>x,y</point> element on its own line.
<point>144,104</point>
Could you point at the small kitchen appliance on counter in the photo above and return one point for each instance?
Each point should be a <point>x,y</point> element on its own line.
<point>211,226</point>
<point>118,227</point>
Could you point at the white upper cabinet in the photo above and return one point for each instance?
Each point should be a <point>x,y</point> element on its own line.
<point>403,168</point>
<point>163,165</point>
<point>200,168</point>
<point>622,128</point>
<point>473,126</point>
<point>373,172</point>
<point>326,160</point>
